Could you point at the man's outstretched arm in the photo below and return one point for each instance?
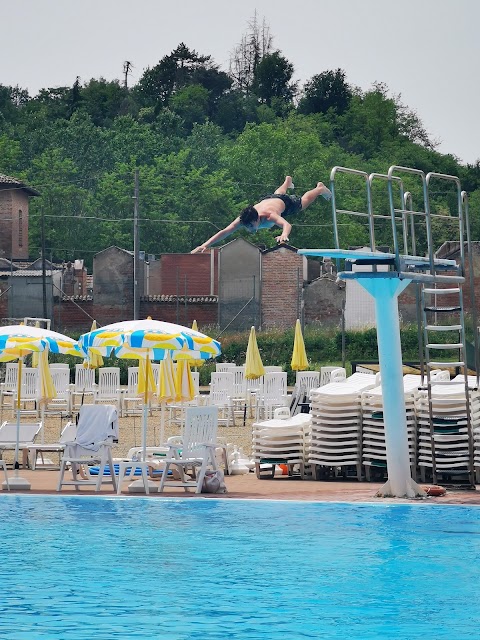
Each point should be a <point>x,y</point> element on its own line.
<point>220,235</point>
<point>283,224</point>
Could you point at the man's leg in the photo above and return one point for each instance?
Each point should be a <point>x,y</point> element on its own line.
<point>312,195</point>
<point>282,189</point>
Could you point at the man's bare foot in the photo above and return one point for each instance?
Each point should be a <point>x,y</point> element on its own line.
<point>324,191</point>
<point>289,182</point>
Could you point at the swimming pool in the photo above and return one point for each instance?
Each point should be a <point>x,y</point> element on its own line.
<point>88,567</point>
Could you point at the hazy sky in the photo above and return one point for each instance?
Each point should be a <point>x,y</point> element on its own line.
<point>425,50</point>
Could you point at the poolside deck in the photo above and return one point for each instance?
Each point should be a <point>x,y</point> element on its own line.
<point>249,487</point>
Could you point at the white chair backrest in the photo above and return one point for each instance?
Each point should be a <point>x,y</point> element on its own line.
<point>274,388</point>
<point>325,374</point>
<point>132,389</point>
<point>239,382</point>
<point>201,425</point>
<point>59,365</point>
<point>281,413</point>
<point>221,367</point>
<point>11,376</point>
<point>84,379</point>
<point>29,383</point>
<point>61,380</point>
<point>308,380</point>
<point>273,369</point>
<point>338,375</point>
<point>156,373</point>
<point>108,381</point>
<point>221,387</point>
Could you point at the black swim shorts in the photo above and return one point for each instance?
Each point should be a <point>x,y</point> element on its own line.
<point>293,204</point>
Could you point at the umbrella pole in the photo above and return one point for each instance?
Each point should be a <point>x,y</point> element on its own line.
<point>144,432</point>
<point>17,483</point>
<point>162,423</point>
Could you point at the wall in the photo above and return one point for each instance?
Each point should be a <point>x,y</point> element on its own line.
<point>113,282</point>
<point>187,274</point>
<point>323,299</point>
<point>239,285</point>
<point>19,225</point>
<point>282,285</point>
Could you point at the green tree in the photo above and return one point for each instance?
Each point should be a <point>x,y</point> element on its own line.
<point>327,90</point>
<point>273,79</point>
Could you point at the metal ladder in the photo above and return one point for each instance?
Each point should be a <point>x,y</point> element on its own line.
<point>431,303</point>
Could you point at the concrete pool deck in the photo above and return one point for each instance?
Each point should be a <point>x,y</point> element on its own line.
<point>249,487</point>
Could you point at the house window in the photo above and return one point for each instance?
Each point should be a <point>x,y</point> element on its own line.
<point>20,228</point>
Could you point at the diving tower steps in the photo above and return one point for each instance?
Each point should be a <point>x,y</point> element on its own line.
<point>463,463</point>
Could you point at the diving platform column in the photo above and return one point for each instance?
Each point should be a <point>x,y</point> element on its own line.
<point>385,292</point>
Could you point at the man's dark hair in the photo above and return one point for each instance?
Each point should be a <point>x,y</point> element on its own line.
<point>249,215</point>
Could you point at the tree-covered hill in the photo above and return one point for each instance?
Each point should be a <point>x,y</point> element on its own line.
<point>206,142</point>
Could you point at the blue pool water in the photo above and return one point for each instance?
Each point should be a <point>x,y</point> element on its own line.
<point>105,568</point>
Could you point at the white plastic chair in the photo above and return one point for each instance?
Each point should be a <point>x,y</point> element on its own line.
<point>61,382</point>
<point>338,375</point>
<point>131,396</point>
<point>197,449</point>
<point>108,388</point>
<point>8,388</point>
<point>29,391</point>
<point>220,396</point>
<point>222,367</point>
<point>325,374</point>
<point>97,431</point>
<point>83,385</point>
<point>272,396</point>
<point>307,380</point>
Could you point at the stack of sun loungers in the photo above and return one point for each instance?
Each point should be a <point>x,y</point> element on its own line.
<point>336,436</point>
<point>374,449</point>
<point>280,442</point>
<point>451,443</point>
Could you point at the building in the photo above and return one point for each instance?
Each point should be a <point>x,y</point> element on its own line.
<point>14,208</point>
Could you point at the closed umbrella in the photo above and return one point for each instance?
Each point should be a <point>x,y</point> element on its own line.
<point>93,360</point>
<point>299,356</point>
<point>166,389</point>
<point>254,368</point>
<point>16,341</point>
<point>253,362</point>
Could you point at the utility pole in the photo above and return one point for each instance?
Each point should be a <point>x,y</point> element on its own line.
<point>44,271</point>
<point>136,261</point>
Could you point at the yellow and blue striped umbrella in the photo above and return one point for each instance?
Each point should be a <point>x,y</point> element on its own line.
<point>16,341</point>
<point>136,338</point>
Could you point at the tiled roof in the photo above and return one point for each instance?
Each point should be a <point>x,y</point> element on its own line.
<point>181,299</point>
<point>23,273</point>
<point>8,180</point>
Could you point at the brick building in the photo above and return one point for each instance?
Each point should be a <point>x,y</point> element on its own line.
<point>14,202</point>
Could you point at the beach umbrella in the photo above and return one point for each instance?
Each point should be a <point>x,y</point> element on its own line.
<point>253,362</point>
<point>166,389</point>
<point>193,362</point>
<point>184,388</point>
<point>150,339</point>
<point>254,368</point>
<point>17,341</point>
<point>299,356</point>
<point>93,360</point>
<point>46,388</point>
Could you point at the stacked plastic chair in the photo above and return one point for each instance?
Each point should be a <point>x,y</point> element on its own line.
<point>373,426</point>
<point>449,438</point>
<point>280,441</point>
<point>336,435</point>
